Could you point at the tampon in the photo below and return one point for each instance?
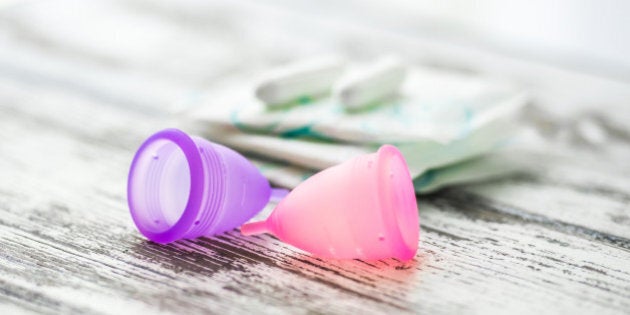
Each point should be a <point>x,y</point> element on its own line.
<point>372,84</point>
<point>300,81</point>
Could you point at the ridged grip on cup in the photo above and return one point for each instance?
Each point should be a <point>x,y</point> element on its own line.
<point>364,208</point>
<point>186,187</point>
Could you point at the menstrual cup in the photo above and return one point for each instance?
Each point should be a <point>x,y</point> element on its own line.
<point>364,208</point>
<point>186,187</point>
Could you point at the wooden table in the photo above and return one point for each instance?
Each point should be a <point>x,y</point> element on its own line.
<point>83,83</point>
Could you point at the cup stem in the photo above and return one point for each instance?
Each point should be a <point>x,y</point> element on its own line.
<point>255,228</point>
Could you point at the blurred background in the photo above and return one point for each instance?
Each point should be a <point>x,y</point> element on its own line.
<point>572,56</point>
<point>83,83</point>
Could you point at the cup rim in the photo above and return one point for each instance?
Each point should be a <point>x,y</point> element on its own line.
<point>387,152</point>
<point>193,205</point>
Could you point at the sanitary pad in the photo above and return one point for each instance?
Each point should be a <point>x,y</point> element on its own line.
<point>450,127</point>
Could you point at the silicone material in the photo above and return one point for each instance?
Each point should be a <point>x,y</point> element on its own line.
<point>364,208</point>
<point>186,187</point>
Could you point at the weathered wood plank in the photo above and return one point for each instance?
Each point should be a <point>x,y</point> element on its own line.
<point>590,197</point>
<point>72,114</point>
<point>68,243</point>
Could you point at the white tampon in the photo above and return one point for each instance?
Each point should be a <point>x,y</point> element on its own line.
<point>299,81</point>
<point>372,84</point>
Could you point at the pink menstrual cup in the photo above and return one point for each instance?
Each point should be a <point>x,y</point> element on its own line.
<point>364,208</point>
<point>187,187</point>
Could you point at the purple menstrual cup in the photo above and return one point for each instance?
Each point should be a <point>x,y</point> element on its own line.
<point>186,187</point>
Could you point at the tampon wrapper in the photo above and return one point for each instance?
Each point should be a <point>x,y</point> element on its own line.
<point>299,81</point>
<point>372,84</point>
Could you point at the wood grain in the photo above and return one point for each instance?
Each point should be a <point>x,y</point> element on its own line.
<point>553,240</point>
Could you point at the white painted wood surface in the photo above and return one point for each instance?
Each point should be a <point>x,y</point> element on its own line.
<point>83,83</point>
